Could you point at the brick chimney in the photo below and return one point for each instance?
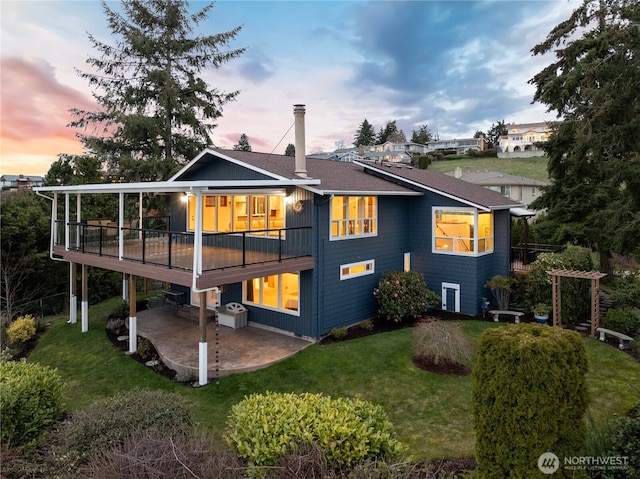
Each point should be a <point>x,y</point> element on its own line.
<point>301,159</point>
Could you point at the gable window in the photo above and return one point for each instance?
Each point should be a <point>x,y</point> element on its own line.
<point>257,214</point>
<point>353,270</point>
<point>353,216</point>
<point>464,231</point>
<point>278,292</point>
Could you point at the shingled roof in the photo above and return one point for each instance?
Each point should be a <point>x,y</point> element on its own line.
<point>337,177</point>
<point>445,185</point>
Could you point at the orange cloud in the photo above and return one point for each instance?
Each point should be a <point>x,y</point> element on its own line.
<point>35,113</point>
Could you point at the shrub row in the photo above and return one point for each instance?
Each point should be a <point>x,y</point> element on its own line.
<point>264,428</point>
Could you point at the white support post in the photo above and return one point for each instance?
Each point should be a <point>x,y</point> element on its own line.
<point>125,288</point>
<point>120,225</point>
<point>133,321</point>
<point>197,240</point>
<point>140,212</point>
<point>66,221</point>
<point>202,363</point>
<point>54,223</point>
<point>78,216</point>
<point>84,318</point>
<point>73,294</point>
<point>202,356</point>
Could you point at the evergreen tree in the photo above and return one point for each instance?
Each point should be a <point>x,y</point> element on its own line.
<point>494,133</point>
<point>155,112</point>
<point>594,152</point>
<point>366,135</point>
<point>243,143</point>
<point>290,150</point>
<point>422,135</point>
<point>391,133</point>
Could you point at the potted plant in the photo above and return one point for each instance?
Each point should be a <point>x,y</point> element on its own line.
<point>541,313</point>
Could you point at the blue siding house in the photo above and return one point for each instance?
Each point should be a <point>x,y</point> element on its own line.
<point>300,242</point>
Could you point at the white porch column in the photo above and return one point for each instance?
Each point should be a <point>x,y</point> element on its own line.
<point>66,221</point>
<point>73,294</point>
<point>85,299</point>
<point>202,356</point>
<point>133,321</point>
<point>120,225</point>
<point>125,287</point>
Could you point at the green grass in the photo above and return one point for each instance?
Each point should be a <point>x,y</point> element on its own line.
<point>533,168</point>
<point>431,413</point>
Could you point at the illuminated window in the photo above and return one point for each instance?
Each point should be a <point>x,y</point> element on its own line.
<point>256,214</point>
<point>278,292</point>
<point>353,270</point>
<point>407,262</point>
<point>462,231</point>
<point>353,216</point>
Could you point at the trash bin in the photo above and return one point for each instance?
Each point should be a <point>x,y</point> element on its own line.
<point>233,315</point>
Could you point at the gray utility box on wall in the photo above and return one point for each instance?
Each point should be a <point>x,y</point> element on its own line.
<point>233,315</point>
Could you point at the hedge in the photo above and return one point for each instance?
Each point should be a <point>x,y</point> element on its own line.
<point>529,397</point>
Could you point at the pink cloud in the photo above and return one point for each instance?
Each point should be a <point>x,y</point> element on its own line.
<point>35,105</point>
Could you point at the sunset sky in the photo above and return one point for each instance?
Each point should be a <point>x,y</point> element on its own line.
<point>457,66</point>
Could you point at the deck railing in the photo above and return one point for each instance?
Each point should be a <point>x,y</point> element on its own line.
<point>522,256</point>
<point>174,249</point>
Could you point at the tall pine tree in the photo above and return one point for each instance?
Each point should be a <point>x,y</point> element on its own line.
<point>155,112</point>
<point>594,152</point>
<point>366,135</point>
<point>243,143</point>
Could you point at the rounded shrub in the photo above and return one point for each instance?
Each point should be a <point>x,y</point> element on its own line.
<point>402,295</point>
<point>264,428</point>
<point>109,421</point>
<point>30,402</point>
<point>21,330</point>
<point>529,397</point>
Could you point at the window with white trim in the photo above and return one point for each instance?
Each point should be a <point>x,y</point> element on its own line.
<point>407,262</point>
<point>354,216</point>
<point>277,292</point>
<point>462,231</point>
<point>258,214</point>
<point>354,270</point>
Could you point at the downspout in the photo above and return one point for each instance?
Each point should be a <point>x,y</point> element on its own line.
<point>197,243</point>
<point>54,214</point>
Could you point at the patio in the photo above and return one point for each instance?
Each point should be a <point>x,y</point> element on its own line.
<point>175,335</point>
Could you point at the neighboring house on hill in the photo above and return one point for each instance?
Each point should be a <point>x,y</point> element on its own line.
<point>521,139</point>
<point>20,181</point>
<point>518,188</point>
<point>460,146</point>
<point>300,242</point>
<point>386,152</point>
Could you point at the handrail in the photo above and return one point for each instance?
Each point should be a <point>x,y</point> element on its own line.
<point>175,249</point>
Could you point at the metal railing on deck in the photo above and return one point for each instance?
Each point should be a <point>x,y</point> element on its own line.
<point>522,256</point>
<point>174,249</point>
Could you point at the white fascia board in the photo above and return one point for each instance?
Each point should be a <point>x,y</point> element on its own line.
<point>361,192</point>
<point>175,186</point>
<point>226,158</point>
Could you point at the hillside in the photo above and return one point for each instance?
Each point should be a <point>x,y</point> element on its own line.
<point>534,168</point>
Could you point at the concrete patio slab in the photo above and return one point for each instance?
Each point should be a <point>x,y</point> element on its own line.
<point>176,336</point>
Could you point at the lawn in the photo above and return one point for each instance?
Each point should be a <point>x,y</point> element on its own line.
<point>533,168</point>
<point>431,413</point>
